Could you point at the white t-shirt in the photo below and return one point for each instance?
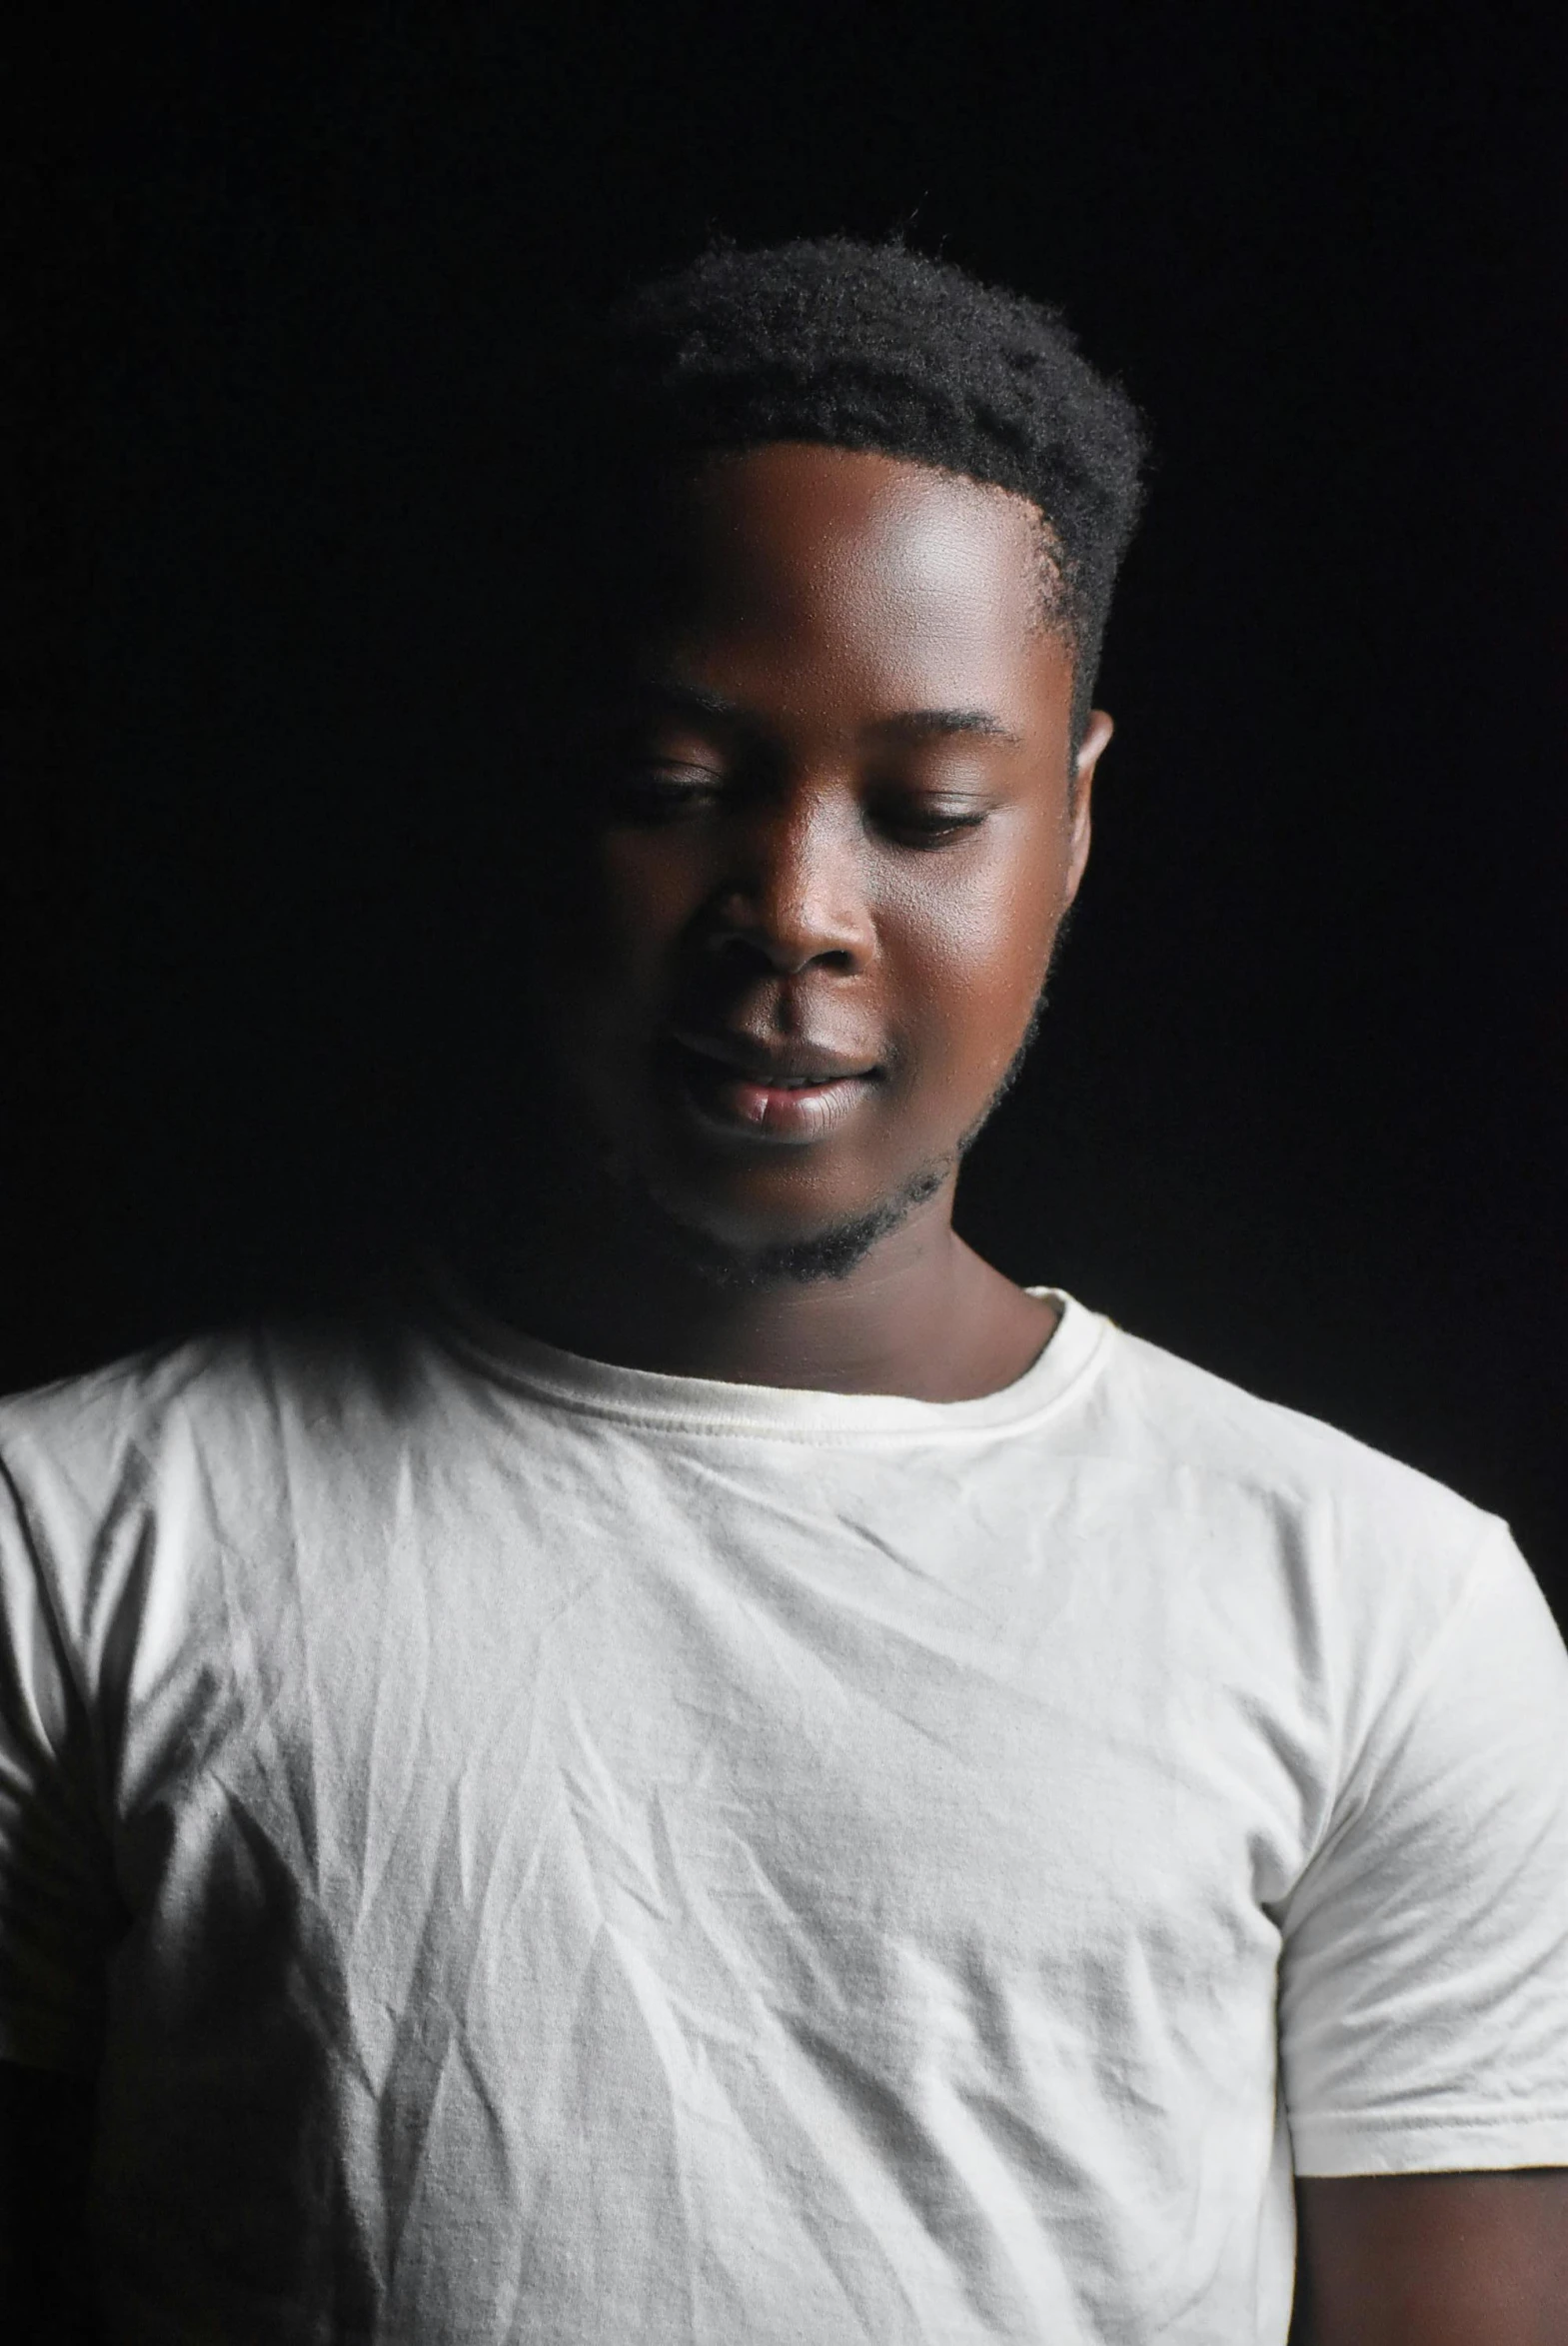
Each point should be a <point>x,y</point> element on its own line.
<point>546,1852</point>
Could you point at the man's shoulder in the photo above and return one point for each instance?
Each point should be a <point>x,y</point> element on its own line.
<point>1205,1431</point>
<point>228,1391</point>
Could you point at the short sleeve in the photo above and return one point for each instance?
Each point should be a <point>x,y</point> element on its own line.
<point>1424,1975</point>
<point>56,1891</point>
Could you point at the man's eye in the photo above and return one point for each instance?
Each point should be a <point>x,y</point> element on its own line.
<point>659,794</point>
<point>930,826</point>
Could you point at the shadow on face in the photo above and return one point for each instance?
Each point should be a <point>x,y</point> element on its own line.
<point>825,825</point>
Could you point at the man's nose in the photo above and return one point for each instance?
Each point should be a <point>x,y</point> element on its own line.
<point>796,895</point>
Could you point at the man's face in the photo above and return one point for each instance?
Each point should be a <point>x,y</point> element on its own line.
<point>830,841</point>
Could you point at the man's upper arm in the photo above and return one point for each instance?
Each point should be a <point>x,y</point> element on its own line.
<point>1424,1973</point>
<point>1433,2260</point>
<point>1424,2002</point>
<point>45,2123</point>
<point>59,1908</point>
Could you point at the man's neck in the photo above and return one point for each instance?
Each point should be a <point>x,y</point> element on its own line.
<point>920,1315</point>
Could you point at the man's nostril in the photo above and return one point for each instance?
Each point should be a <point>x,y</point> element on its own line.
<point>742,952</point>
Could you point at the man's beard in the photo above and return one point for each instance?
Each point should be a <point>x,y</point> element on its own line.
<point>828,1254</point>
<point>840,1249</point>
<point>506,1188</point>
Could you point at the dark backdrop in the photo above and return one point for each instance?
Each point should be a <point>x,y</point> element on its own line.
<point>1298,1108</point>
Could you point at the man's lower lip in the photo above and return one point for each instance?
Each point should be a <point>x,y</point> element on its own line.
<point>767,1112</point>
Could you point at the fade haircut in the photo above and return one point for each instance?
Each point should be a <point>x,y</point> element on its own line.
<point>866,346</point>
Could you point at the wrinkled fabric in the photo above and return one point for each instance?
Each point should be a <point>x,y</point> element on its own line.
<point>543,1852</point>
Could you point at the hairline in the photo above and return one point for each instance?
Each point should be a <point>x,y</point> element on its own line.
<point>654,466</point>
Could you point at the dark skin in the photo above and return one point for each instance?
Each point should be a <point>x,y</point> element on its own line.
<point>788,864</point>
<point>841,825</point>
<point>1433,2260</point>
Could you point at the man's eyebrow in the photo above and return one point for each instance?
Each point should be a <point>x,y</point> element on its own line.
<point>920,724</point>
<point>685,699</point>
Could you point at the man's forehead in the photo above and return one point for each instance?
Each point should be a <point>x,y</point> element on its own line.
<point>889,511</point>
<point>846,555</point>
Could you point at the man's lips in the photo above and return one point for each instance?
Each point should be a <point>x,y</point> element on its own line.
<point>790,1090</point>
<point>783,1062</point>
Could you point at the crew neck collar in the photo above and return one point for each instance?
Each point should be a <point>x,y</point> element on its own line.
<point>655,1400</point>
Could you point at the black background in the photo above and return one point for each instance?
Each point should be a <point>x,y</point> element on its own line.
<point>1298,1108</point>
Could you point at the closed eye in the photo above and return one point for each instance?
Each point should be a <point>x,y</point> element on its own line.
<point>659,794</point>
<point>928,826</point>
<point>656,792</point>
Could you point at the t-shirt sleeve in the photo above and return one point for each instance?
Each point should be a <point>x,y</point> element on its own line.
<point>1424,1975</point>
<point>56,1891</point>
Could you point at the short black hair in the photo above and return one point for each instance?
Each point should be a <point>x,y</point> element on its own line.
<point>873,345</point>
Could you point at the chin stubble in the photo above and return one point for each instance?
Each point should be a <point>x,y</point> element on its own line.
<point>833,1252</point>
<point>829,1253</point>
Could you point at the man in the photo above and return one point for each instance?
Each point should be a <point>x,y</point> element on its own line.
<point>717,1771</point>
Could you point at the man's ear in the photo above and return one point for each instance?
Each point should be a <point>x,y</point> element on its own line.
<point>1096,734</point>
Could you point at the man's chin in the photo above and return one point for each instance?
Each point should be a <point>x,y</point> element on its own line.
<point>830,1251</point>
